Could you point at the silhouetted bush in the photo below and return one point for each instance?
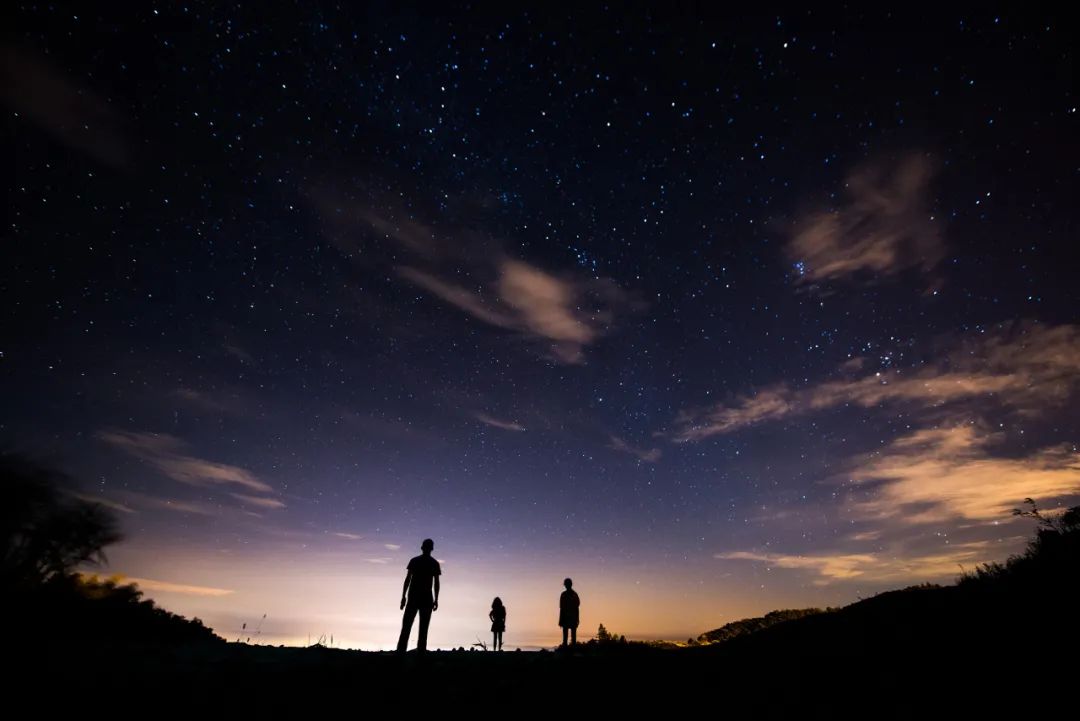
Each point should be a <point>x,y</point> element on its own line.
<point>46,537</point>
<point>77,607</point>
<point>45,534</point>
<point>1051,557</point>
<point>750,625</point>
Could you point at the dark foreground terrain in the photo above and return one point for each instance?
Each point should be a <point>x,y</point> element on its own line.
<point>1003,642</point>
<point>917,652</point>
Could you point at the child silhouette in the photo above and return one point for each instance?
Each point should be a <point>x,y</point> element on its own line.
<point>498,623</point>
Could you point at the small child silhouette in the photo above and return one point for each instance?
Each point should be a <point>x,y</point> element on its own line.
<point>498,623</point>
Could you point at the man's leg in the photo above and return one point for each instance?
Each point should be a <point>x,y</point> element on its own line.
<point>425,619</point>
<point>573,636</point>
<point>406,628</point>
<point>564,635</point>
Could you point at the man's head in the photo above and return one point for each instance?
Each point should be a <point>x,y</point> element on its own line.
<point>427,546</point>
<point>568,583</point>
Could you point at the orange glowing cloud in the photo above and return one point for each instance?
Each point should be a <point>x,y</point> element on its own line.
<point>537,304</point>
<point>151,585</point>
<point>829,568</point>
<point>884,227</point>
<point>1028,370</point>
<point>468,270</point>
<point>947,474</point>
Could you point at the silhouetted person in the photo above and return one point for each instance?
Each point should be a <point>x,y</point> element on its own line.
<point>568,612</point>
<point>421,575</point>
<point>498,623</point>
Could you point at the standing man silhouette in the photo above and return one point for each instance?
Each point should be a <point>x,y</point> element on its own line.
<point>421,575</point>
<point>568,612</point>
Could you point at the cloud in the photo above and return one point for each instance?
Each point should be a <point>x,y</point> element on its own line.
<point>380,561</point>
<point>496,423</point>
<point>74,115</point>
<point>415,236</point>
<point>565,314</point>
<point>957,478</point>
<point>144,500</point>
<point>472,302</point>
<point>468,270</point>
<point>348,536</point>
<point>764,405</point>
<point>229,403</point>
<point>149,584</point>
<point>884,227</point>
<point>547,307</point>
<point>946,474</point>
<point>392,547</point>
<point>239,353</point>
<point>166,453</point>
<point>114,505</point>
<point>650,455</point>
<point>259,501</point>
<point>347,223</point>
<point>1028,368</point>
<point>873,567</point>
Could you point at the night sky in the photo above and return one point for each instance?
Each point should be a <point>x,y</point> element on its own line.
<point>713,314</point>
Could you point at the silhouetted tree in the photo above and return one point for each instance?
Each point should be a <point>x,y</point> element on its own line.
<point>605,636</point>
<point>1054,549</point>
<point>45,534</point>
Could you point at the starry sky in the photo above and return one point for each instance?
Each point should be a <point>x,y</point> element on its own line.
<point>714,314</point>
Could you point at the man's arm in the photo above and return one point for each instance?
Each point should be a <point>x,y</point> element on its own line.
<point>408,580</point>
<point>435,607</point>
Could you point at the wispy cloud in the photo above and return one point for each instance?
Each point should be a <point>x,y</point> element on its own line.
<point>74,115</point>
<point>548,307</point>
<point>947,474</point>
<point>380,561</point>
<point>392,546</point>
<point>417,237</point>
<point>258,501</point>
<point>472,302</point>
<point>883,228</point>
<point>1028,369</point>
<point>219,402</point>
<point>831,568</point>
<point>645,455</point>
<point>143,500</point>
<point>497,423</point>
<point>764,405</point>
<point>565,314</point>
<point>348,536</point>
<point>239,353</point>
<point>149,584</point>
<point>167,454</point>
<point>107,503</point>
